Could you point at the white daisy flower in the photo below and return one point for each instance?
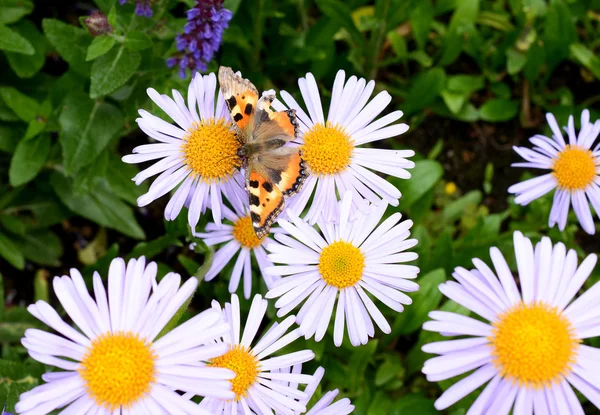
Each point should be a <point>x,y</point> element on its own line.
<point>325,405</point>
<point>530,353</point>
<point>350,259</point>
<point>198,154</point>
<point>331,147</point>
<point>261,384</point>
<point>239,236</point>
<point>575,172</point>
<point>117,362</point>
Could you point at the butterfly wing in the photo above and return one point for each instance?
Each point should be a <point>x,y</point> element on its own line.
<point>275,170</point>
<point>241,97</point>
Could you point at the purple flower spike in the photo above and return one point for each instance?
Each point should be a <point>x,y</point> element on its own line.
<point>142,7</point>
<point>201,37</point>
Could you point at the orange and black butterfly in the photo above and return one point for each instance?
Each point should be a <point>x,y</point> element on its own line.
<point>273,170</point>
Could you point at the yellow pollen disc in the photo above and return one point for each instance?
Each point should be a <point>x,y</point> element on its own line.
<point>245,366</point>
<point>327,149</point>
<point>534,344</point>
<point>243,232</point>
<point>574,168</point>
<point>341,264</point>
<point>118,369</point>
<point>210,149</point>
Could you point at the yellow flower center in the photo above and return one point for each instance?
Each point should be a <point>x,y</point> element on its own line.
<point>210,150</point>
<point>574,168</point>
<point>243,232</point>
<point>118,369</point>
<point>341,264</point>
<point>245,366</point>
<point>534,344</point>
<point>327,149</point>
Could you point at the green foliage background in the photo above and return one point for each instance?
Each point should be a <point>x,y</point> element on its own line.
<point>473,77</point>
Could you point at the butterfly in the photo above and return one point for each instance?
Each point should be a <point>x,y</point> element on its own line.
<point>274,171</point>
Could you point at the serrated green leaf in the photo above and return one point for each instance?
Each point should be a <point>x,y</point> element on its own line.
<point>425,175</point>
<point>99,46</point>
<point>87,127</point>
<point>25,66</point>
<point>28,159</point>
<point>10,252</point>
<point>24,107</point>
<point>11,41</point>
<point>112,70</point>
<point>496,110</point>
<point>100,206</point>
<point>136,40</point>
<point>70,41</point>
<point>13,10</point>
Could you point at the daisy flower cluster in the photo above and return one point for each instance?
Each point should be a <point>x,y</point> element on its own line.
<point>124,357</point>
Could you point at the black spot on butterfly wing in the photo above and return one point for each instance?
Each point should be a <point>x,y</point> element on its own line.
<point>254,200</point>
<point>255,217</point>
<point>253,183</point>
<point>248,109</point>
<point>231,102</point>
<point>237,117</point>
<point>268,187</point>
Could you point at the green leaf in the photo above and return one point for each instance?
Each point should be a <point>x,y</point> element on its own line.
<point>559,33</point>
<point>360,358</point>
<point>232,5</point>
<point>111,16</point>
<point>40,286</point>
<point>25,107</point>
<point>453,100</point>
<point>11,41</point>
<point>112,71</point>
<point>341,14</point>
<point>466,84</point>
<point>9,138</point>
<point>398,43</point>
<point>496,110</point>
<point>87,127</point>
<point>155,247</point>
<point>70,41</point>
<point>421,18</point>
<point>119,177</point>
<point>455,210</point>
<point>16,378</point>
<point>28,160</point>
<point>175,319</point>
<point>463,18</point>
<point>414,403</point>
<point>425,175</point>
<point>100,206</point>
<point>136,40</point>
<point>41,246</point>
<point>13,10</point>
<point>389,369</point>
<point>99,46</point>
<point>425,89</point>
<point>515,61</point>
<point>25,66</point>
<point>536,59</point>
<point>10,252</point>
<point>586,57</point>
<point>425,300</point>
